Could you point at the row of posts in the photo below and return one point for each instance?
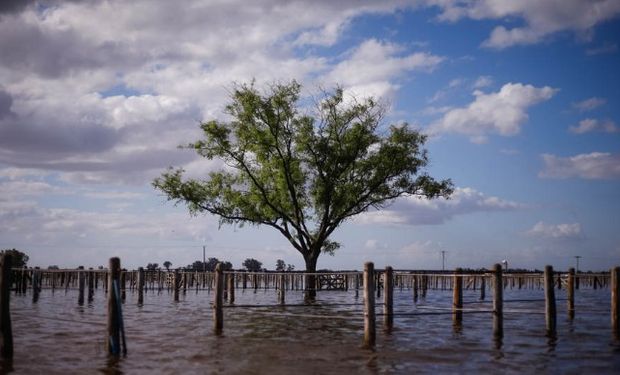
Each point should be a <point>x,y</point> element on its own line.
<point>498,301</point>
<point>116,333</point>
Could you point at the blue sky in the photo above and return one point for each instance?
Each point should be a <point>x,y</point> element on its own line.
<point>520,101</point>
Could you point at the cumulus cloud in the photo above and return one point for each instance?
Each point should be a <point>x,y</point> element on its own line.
<point>413,210</point>
<point>557,231</point>
<point>592,166</point>
<point>61,61</point>
<point>372,67</point>
<point>541,18</point>
<point>502,112</point>
<point>593,125</point>
<point>482,82</point>
<point>589,104</point>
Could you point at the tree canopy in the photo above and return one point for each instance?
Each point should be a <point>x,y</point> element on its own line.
<point>252,265</point>
<point>303,172</point>
<point>19,258</point>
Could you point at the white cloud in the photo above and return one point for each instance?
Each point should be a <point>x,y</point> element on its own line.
<point>372,68</point>
<point>594,125</point>
<point>501,112</point>
<point>482,82</point>
<point>589,104</point>
<point>557,231</point>
<point>593,166</point>
<point>541,18</point>
<point>414,210</point>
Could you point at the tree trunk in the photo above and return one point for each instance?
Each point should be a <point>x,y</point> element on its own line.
<point>310,292</point>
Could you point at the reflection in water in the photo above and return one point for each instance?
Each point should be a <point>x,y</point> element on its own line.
<point>325,337</point>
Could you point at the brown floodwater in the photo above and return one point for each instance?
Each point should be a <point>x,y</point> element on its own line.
<point>56,335</point>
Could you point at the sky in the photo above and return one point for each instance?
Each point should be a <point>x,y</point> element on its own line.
<point>520,101</point>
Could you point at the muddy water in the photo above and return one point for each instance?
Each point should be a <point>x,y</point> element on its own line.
<point>55,335</point>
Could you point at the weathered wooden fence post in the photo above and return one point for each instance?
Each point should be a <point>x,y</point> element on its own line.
<point>457,297</point>
<point>231,288</point>
<point>6,332</point>
<point>91,284</point>
<point>116,331</point>
<point>483,287</point>
<point>218,299</point>
<point>415,288</point>
<point>81,285</point>
<point>281,290</point>
<point>498,302</point>
<point>36,284</point>
<point>140,285</point>
<point>177,285</point>
<point>370,334</point>
<point>615,301</point>
<point>570,293</point>
<point>388,299</point>
<point>550,311</point>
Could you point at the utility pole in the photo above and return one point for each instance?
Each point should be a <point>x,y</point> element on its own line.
<point>443,260</point>
<point>577,265</point>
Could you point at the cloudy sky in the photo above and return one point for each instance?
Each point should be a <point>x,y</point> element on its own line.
<point>520,99</point>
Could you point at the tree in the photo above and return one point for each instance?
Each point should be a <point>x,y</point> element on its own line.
<point>280,265</point>
<point>167,265</point>
<point>290,267</point>
<point>152,266</point>
<point>303,174</point>
<point>252,265</point>
<point>20,259</point>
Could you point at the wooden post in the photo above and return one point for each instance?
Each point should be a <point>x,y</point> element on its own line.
<point>570,293</point>
<point>550,311</point>
<point>218,299</point>
<point>6,332</point>
<point>388,299</point>
<point>123,284</point>
<point>140,285</point>
<point>115,315</point>
<point>615,301</point>
<point>415,288</point>
<point>91,284</point>
<point>369,305</point>
<point>281,291</point>
<point>231,288</point>
<point>81,285</point>
<point>36,285</point>
<point>498,302</point>
<point>457,297</point>
<point>177,285</point>
<point>483,287</point>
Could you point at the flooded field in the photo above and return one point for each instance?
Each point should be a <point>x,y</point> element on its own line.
<point>56,335</point>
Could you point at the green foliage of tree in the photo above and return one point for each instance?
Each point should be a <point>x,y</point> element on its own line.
<point>167,265</point>
<point>152,266</point>
<point>303,173</point>
<point>19,259</point>
<point>252,265</point>
<point>280,265</point>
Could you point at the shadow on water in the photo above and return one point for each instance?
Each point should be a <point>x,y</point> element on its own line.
<point>6,366</point>
<point>112,365</point>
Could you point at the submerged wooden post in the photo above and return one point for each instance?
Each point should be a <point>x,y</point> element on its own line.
<point>177,285</point>
<point>36,284</point>
<point>231,288</point>
<point>6,332</point>
<point>91,284</point>
<point>570,293</point>
<point>483,286</point>
<point>281,290</point>
<point>388,299</point>
<point>415,288</point>
<point>370,334</point>
<point>498,302</point>
<point>615,301</point>
<point>140,285</point>
<point>457,297</point>
<point>116,334</point>
<point>218,299</point>
<point>550,311</point>
<point>81,285</point>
